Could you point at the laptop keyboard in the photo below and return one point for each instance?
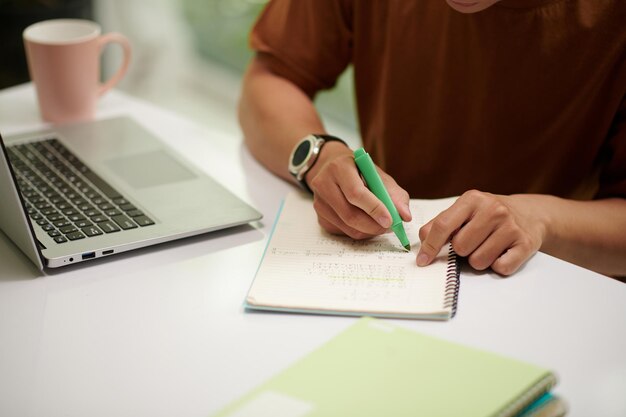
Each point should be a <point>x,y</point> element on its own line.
<point>65,198</point>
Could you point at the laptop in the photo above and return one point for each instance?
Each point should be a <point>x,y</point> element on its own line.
<point>83,191</point>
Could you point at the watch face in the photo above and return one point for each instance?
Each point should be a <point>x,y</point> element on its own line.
<point>301,153</point>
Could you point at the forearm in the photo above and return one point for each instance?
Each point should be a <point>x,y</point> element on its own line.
<point>274,115</point>
<point>589,233</point>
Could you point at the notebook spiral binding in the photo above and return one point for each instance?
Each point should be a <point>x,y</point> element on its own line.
<point>453,282</point>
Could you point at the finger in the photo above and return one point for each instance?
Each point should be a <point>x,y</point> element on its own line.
<point>332,198</point>
<point>424,230</point>
<point>511,260</point>
<point>329,220</point>
<point>358,195</point>
<point>399,196</point>
<point>472,234</point>
<point>441,229</point>
<point>341,229</point>
<point>335,230</point>
<point>329,226</point>
<point>491,249</point>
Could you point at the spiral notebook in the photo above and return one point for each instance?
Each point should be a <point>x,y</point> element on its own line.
<point>307,270</point>
<point>376,369</point>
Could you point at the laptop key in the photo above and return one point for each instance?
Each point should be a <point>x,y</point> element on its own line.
<point>86,207</point>
<point>79,201</point>
<point>63,222</point>
<point>99,218</point>
<point>54,233</point>
<point>47,227</point>
<point>120,201</point>
<point>109,227</point>
<point>85,189</point>
<point>98,199</point>
<point>92,213</point>
<point>91,231</point>
<point>63,205</point>
<point>106,206</point>
<point>128,207</point>
<point>68,229</point>
<point>56,144</point>
<point>124,222</point>
<point>76,217</point>
<point>75,235</point>
<point>36,199</point>
<point>60,239</point>
<point>143,221</point>
<point>12,154</point>
<point>55,217</point>
<point>134,213</point>
<point>83,223</point>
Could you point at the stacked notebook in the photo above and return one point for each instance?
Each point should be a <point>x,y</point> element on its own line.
<point>304,269</point>
<point>376,369</point>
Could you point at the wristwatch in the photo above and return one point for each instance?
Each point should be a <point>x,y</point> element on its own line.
<point>304,155</point>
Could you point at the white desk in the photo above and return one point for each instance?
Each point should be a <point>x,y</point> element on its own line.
<point>162,331</point>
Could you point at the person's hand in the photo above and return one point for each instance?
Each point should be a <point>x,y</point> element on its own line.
<point>501,232</point>
<point>343,203</point>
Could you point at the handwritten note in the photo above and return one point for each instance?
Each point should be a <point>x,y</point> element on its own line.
<point>304,268</point>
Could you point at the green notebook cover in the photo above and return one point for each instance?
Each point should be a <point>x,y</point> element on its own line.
<point>376,369</point>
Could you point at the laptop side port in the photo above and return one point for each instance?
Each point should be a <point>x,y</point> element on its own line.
<point>89,255</point>
<point>107,252</point>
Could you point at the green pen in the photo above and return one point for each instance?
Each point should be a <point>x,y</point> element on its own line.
<point>375,184</point>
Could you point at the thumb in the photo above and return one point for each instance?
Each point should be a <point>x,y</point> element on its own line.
<point>424,230</point>
<point>398,195</point>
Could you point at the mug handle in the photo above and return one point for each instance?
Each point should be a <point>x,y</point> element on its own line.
<point>123,41</point>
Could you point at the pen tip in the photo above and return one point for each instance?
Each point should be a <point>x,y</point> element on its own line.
<point>407,247</point>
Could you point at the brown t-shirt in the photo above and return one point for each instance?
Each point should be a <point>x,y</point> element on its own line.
<point>528,96</point>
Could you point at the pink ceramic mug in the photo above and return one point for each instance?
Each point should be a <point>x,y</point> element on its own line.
<point>64,63</point>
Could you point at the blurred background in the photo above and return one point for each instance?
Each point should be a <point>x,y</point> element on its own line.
<point>186,53</point>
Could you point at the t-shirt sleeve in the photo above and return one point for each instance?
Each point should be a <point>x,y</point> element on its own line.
<point>613,176</point>
<point>308,42</point>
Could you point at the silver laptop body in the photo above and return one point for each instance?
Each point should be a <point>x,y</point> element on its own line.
<point>99,188</point>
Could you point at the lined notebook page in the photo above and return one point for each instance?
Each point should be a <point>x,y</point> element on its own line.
<point>306,269</point>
